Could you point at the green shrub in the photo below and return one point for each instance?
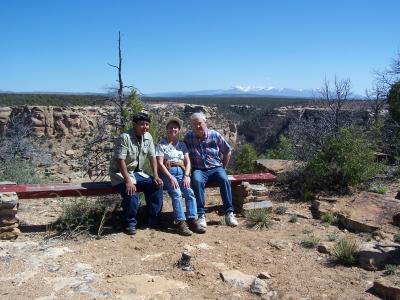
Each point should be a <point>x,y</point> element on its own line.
<point>20,171</point>
<point>333,236</point>
<point>379,189</point>
<point>328,218</point>
<point>281,210</point>
<point>394,101</point>
<point>283,151</point>
<point>244,162</point>
<point>390,270</point>
<point>308,195</point>
<point>345,160</point>
<point>258,218</point>
<point>345,251</point>
<point>396,237</point>
<point>293,218</point>
<point>84,215</point>
<point>311,241</point>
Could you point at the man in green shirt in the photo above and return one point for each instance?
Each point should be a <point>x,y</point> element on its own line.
<point>126,172</point>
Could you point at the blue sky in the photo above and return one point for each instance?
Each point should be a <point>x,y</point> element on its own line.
<point>187,45</point>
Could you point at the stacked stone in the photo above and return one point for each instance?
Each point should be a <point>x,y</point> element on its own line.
<point>8,216</point>
<point>248,196</point>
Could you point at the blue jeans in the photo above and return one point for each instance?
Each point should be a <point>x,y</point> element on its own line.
<point>218,175</point>
<point>176,196</point>
<point>130,203</point>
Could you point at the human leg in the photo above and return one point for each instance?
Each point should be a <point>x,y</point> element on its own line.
<point>129,204</point>
<point>176,198</point>
<point>153,197</point>
<point>199,179</point>
<point>219,176</point>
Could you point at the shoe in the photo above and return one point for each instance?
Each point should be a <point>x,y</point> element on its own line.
<point>202,220</point>
<point>230,219</point>
<point>130,230</point>
<point>183,229</point>
<point>195,226</point>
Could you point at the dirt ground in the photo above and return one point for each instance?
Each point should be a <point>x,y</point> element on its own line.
<point>117,266</point>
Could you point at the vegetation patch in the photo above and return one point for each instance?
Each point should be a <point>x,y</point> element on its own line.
<point>345,251</point>
<point>84,215</point>
<point>311,241</point>
<point>258,219</point>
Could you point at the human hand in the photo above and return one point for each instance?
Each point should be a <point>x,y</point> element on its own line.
<point>130,188</point>
<point>158,181</point>
<point>174,182</point>
<point>186,181</point>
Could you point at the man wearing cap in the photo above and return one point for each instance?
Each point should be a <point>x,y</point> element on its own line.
<point>209,154</point>
<point>126,172</point>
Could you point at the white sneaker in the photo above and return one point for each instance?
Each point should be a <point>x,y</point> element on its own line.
<point>202,220</point>
<point>230,220</point>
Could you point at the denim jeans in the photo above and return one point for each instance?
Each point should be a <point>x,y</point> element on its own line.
<point>130,203</point>
<point>217,175</point>
<point>176,196</point>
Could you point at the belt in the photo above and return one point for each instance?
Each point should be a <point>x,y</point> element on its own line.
<point>169,164</point>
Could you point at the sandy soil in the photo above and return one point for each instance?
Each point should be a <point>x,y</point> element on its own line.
<point>118,266</point>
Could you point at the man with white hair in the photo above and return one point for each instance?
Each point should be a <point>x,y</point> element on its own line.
<point>210,155</point>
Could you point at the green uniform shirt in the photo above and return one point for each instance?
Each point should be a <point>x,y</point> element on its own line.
<point>128,148</point>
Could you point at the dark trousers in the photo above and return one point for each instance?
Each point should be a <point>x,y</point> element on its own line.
<point>130,203</point>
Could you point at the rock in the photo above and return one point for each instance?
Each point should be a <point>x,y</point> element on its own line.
<point>298,214</point>
<point>365,212</point>
<point>259,287</point>
<point>8,200</point>
<point>385,289</point>
<point>10,235</point>
<point>8,212</point>
<point>374,256</point>
<point>396,219</point>
<point>7,221</point>
<point>280,244</point>
<point>275,166</point>
<point>398,195</point>
<point>8,228</point>
<point>325,248</point>
<point>237,279</point>
<point>264,275</point>
<point>69,152</point>
<point>257,205</point>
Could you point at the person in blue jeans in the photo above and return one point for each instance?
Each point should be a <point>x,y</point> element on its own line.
<point>131,149</point>
<point>209,154</point>
<point>174,166</point>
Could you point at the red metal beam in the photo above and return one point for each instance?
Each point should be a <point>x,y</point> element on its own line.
<point>32,191</point>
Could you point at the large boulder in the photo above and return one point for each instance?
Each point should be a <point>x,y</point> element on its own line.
<point>276,166</point>
<point>374,256</point>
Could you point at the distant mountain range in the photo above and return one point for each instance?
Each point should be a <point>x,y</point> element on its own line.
<point>237,91</point>
<point>241,91</point>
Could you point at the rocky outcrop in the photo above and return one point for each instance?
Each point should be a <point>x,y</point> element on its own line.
<point>365,212</point>
<point>76,121</point>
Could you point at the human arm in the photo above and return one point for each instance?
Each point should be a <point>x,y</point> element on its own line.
<point>153,164</point>
<point>130,187</point>
<point>186,175</point>
<point>225,159</point>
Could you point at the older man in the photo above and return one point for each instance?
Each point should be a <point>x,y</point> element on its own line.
<point>126,171</point>
<point>209,154</point>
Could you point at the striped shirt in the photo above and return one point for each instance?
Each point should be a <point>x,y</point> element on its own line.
<point>205,153</point>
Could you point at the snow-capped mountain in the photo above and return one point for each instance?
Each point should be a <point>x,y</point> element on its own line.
<point>238,91</point>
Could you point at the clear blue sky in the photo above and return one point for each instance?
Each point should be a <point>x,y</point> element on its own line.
<point>186,45</point>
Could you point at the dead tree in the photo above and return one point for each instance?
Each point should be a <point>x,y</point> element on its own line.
<point>98,149</point>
